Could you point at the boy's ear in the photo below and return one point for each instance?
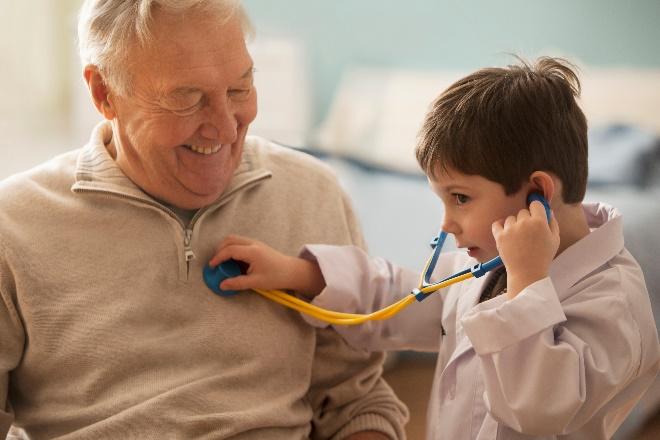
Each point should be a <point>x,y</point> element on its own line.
<point>99,91</point>
<point>544,183</point>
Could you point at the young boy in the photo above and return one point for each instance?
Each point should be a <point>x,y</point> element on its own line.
<point>561,341</point>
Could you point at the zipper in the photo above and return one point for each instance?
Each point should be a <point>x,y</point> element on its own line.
<point>188,254</point>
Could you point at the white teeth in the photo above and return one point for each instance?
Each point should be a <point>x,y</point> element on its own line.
<point>205,150</point>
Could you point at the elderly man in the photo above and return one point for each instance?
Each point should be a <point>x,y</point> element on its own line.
<point>106,328</point>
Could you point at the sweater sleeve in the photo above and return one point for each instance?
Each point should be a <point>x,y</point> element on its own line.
<point>347,392</point>
<point>11,348</point>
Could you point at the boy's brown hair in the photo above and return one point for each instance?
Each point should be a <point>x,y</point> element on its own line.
<point>505,123</point>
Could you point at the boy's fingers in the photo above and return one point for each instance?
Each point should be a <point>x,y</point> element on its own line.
<point>241,282</point>
<point>523,213</point>
<point>230,240</point>
<point>537,209</point>
<point>554,226</point>
<point>496,228</point>
<point>236,252</point>
<point>510,220</point>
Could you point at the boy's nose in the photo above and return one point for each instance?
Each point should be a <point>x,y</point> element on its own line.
<point>449,225</point>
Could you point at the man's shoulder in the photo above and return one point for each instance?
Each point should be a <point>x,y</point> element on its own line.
<point>288,161</point>
<point>54,175</point>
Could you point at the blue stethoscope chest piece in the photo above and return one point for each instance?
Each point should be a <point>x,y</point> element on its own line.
<point>213,276</point>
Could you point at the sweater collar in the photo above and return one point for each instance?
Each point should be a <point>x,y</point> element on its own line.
<point>97,171</point>
<point>588,254</point>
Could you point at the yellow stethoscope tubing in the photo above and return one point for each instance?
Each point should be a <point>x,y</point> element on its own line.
<point>212,280</point>
<point>341,318</point>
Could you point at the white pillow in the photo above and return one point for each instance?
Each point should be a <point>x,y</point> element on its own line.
<point>621,96</point>
<point>376,114</point>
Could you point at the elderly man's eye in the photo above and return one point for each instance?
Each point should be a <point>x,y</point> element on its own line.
<point>240,94</point>
<point>187,110</point>
<point>183,102</point>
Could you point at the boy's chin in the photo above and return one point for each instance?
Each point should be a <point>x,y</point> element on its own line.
<point>481,255</point>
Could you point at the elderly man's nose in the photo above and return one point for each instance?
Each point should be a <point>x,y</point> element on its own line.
<point>222,127</point>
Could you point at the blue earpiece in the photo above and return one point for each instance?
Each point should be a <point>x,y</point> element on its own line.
<point>483,268</point>
<point>539,198</point>
<point>213,276</point>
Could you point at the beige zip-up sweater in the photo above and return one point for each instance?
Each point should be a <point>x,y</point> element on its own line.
<point>107,330</point>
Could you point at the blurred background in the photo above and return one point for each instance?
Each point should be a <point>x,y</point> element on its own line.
<point>350,80</point>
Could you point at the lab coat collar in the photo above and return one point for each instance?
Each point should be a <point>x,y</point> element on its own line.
<point>586,255</point>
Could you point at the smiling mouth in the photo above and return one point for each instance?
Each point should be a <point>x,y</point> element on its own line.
<point>204,150</point>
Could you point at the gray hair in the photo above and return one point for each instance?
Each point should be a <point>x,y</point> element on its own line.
<point>108,28</point>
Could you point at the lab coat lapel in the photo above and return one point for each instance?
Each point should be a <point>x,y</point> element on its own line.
<point>469,297</point>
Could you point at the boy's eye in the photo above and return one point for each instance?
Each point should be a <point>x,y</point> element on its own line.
<point>461,199</point>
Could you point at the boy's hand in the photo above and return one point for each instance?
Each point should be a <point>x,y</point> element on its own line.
<point>268,269</point>
<point>527,245</point>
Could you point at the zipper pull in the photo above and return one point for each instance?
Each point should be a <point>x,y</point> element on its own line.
<point>190,255</point>
<point>188,252</point>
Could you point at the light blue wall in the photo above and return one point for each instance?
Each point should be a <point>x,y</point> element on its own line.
<point>458,33</point>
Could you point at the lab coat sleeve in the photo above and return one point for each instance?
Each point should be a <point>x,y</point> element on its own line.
<point>549,367</point>
<point>11,348</point>
<point>356,283</point>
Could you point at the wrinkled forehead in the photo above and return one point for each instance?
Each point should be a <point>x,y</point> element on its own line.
<point>192,49</point>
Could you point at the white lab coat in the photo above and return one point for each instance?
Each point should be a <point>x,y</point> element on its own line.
<point>567,358</point>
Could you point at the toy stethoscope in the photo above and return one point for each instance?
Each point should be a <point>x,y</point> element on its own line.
<point>230,268</point>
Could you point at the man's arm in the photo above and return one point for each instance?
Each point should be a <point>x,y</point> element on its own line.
<point>11,347</point>
<point>368,435</point>
<point>349,396</point>
<point>347,392</point>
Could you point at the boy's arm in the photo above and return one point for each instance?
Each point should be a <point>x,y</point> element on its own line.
<point>349,281</point>
<point>358,283</point>
<point>550,368</point>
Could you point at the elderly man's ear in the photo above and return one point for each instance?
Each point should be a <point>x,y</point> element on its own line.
<point>99,91</point>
